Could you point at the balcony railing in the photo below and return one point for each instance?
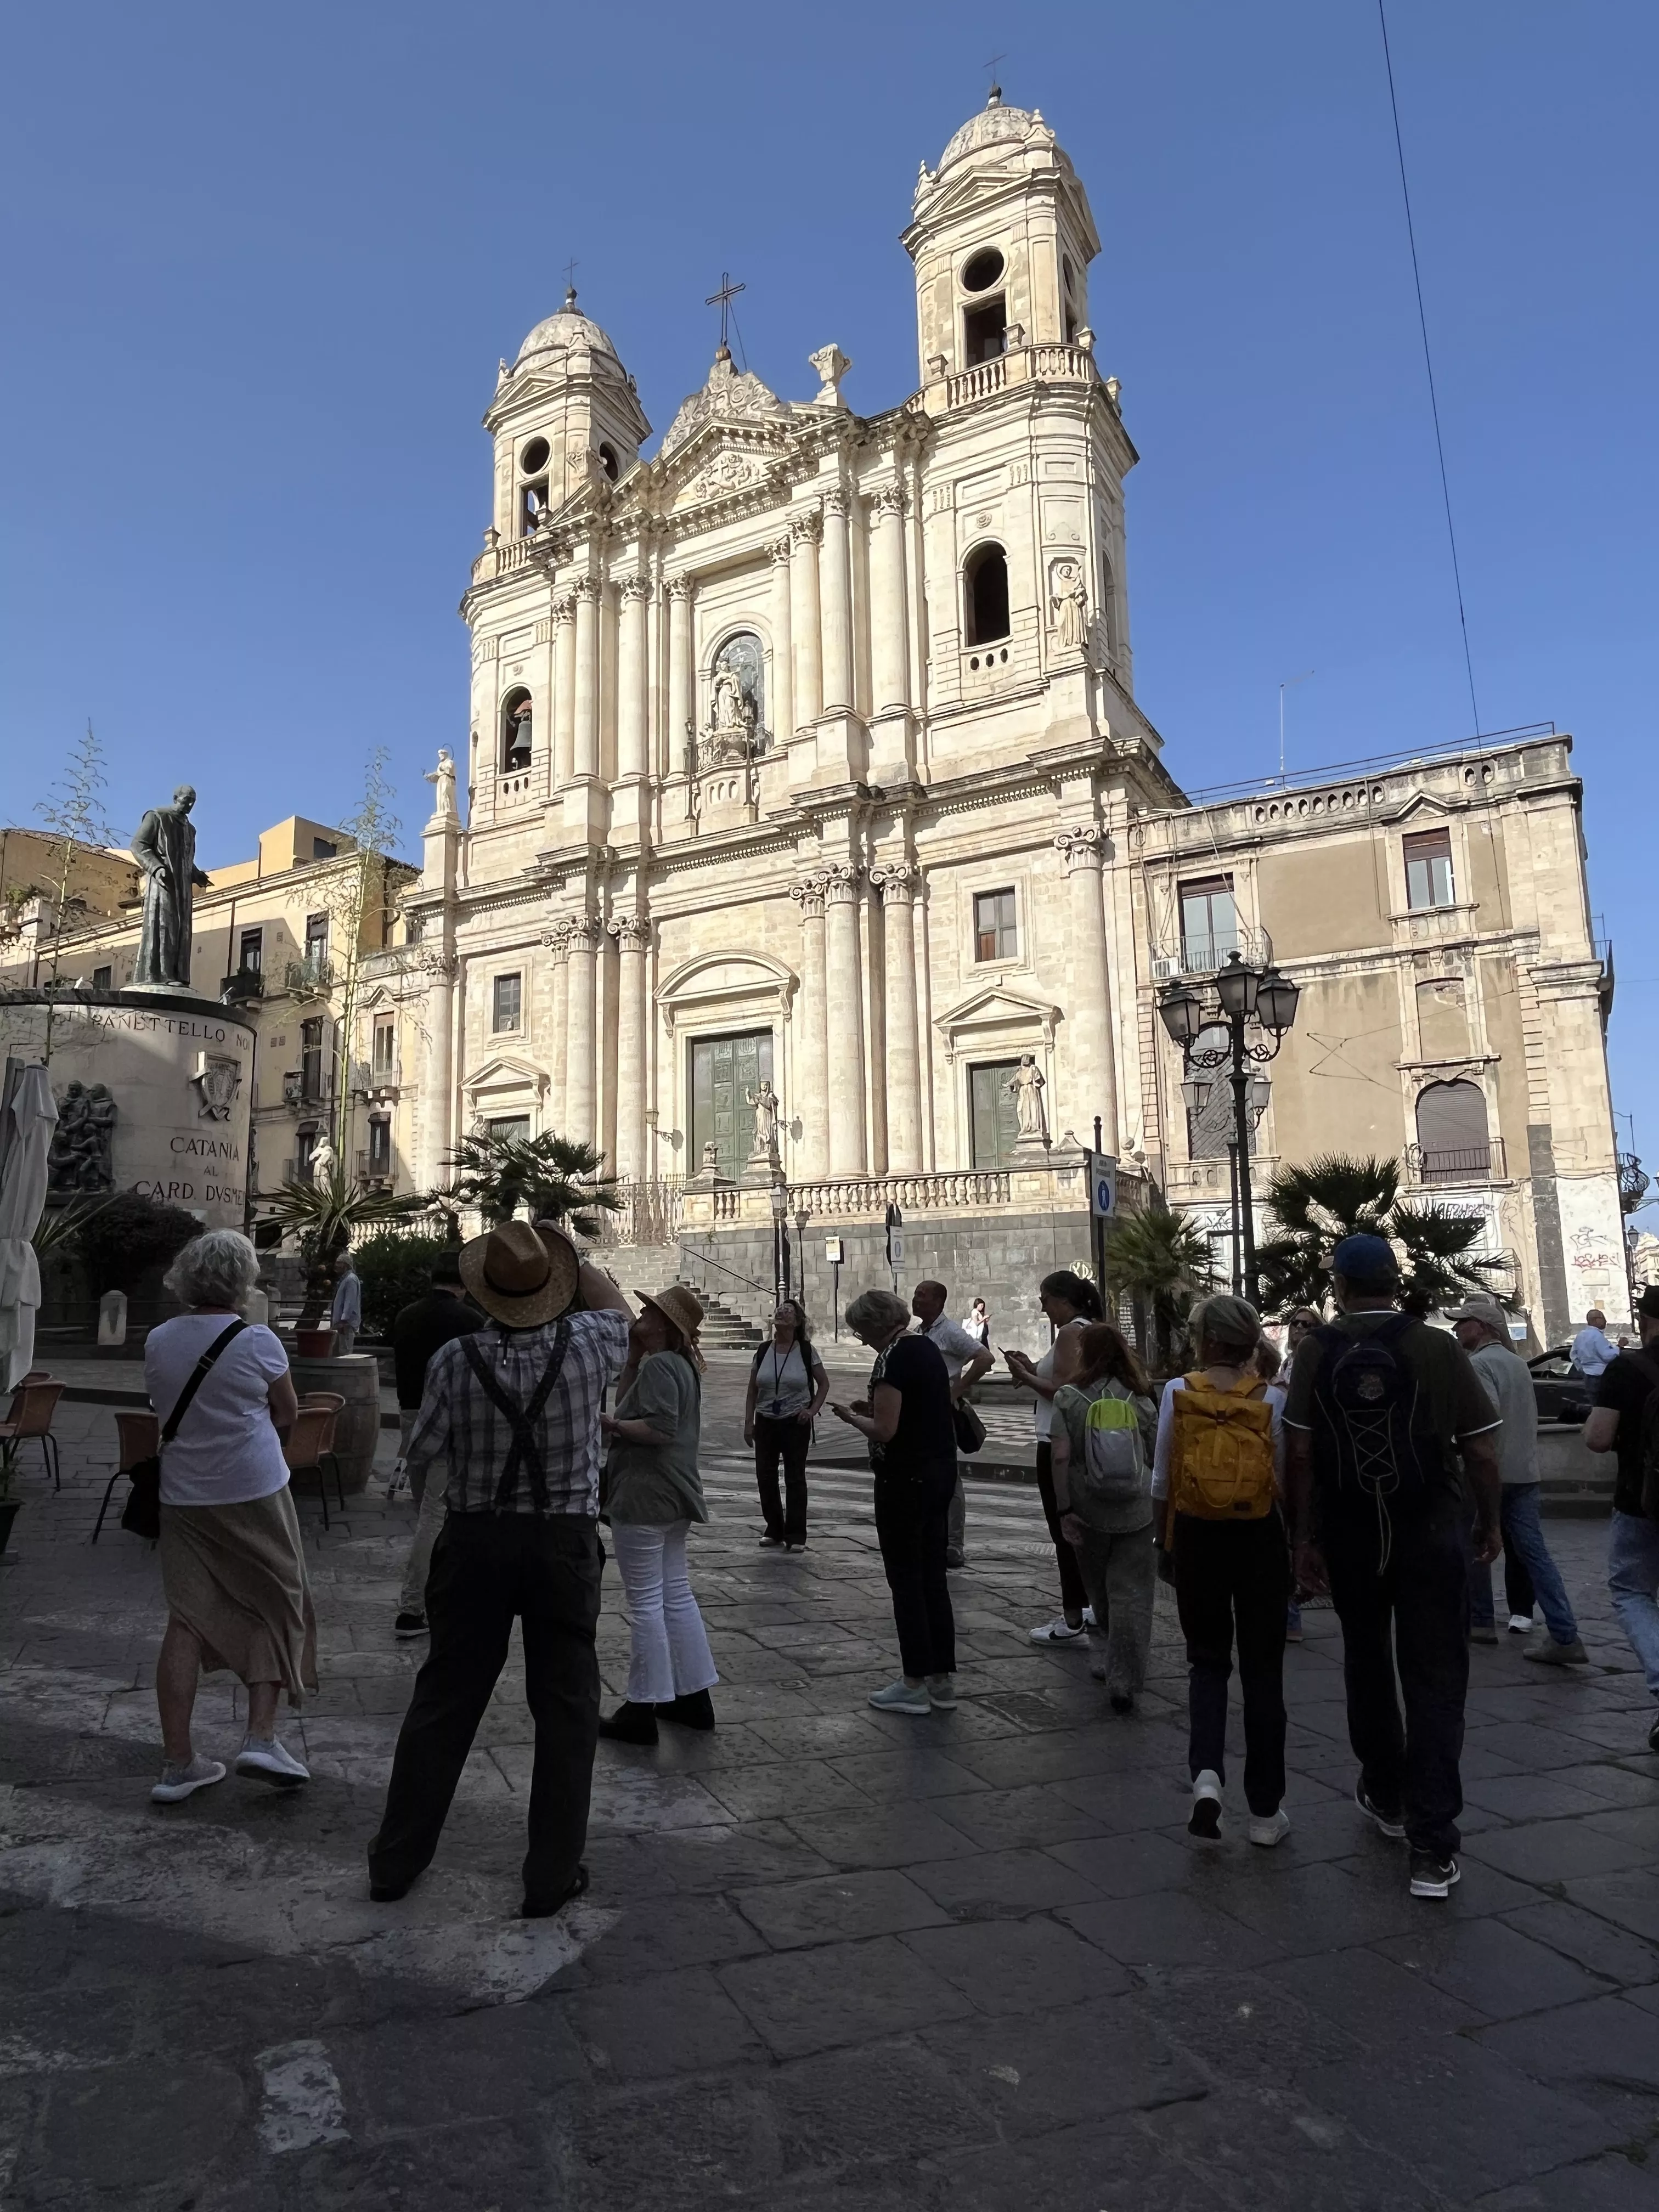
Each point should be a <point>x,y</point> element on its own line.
<point>1023,364</point>
<point>1203,955</point>
<point>312,974</point>
<point>1432,1165</point>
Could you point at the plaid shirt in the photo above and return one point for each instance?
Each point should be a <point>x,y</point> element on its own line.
<point>459,1423</point>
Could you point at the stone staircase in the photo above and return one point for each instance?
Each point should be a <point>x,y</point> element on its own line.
<point>650,1268</point>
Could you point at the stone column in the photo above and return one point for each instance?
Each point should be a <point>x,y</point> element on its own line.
<point>781,706</point>
<point>680,707</point>
<point>811,1051</point>
<point>1093,1086</point>
<point>581,1084</point>
<point>438,1064</point>
<point>844,1004</point>
<point>632,934</point>
<point>803,534</point>
<point>836,600</point>
<point>890,674</point>
<point>585,759</point>
<point>564,690</point>
<point>631,725</point>
<point>557,941</point>
<point>896,883</point>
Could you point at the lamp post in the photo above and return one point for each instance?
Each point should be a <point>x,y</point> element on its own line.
<point>1242,994</point>
<point>779,1241</point>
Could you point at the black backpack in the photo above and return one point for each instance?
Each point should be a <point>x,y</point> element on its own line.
<point>1648,1461</point>
<point>1387,1456</point>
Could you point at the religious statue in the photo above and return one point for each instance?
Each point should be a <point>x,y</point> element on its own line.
<point>1070,603</point>
<point>734,716</point>
<point>165,849</point>
<point>81,1157</point>
<point>1028,1086</point>
<point>325,1160</point>
<point>767,1105</point>
<point>442,778</point>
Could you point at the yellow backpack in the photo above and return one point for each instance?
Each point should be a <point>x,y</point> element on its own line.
<point>1222,1451</point>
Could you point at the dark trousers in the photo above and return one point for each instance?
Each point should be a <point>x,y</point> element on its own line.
<point>788,1441</point>
<point>911,1516</point>
<point>1518,1591</point>
<point>1411,1617</point>
<point>1072,1596</point>
<point>1232,1583</point>
<point>486,1569</point>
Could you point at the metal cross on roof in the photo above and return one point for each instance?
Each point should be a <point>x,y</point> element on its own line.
<point>723,300</point>
<point>570,269</point>
<point>990,69</point>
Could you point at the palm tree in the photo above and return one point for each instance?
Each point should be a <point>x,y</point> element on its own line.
<point>1161,1262</point>
<point>1336,1196</point>
<point>557,1178</point>
<point>323,1213</point>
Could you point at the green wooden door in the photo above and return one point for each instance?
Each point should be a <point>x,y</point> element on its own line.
<point>724,1070</point>
<point>994,1117</point>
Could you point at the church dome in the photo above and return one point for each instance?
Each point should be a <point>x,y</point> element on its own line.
<point>559,332</point>
<point>994,125</point>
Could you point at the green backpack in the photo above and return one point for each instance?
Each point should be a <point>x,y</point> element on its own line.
<point>1112,1473</point>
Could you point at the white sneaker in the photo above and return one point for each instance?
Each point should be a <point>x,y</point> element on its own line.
<point>1204,1819</point>
<point>899,1698</point>
<point>1272,1830</point>
<point>1520,1624</point>
<point>1058,1631</point>
<point>942,1693</point>
<point>1088,1621</point>
<point>178,1783</point>
<point>271,1761</point>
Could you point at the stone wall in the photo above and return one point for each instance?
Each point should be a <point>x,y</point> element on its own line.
<point>1000,1258</point>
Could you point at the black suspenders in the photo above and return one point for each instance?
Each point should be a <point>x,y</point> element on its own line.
<point>524,1451</point>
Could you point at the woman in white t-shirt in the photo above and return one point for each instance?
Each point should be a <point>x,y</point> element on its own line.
<point>232,1569</point>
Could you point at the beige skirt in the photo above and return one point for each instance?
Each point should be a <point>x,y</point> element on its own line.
<point>235,1577</point>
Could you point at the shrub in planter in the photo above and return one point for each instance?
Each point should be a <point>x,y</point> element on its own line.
<point>394,1272</point>
<point>125,1240</point>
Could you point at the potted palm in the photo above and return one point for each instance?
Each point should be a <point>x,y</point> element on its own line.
<point>553,1178</point>
<point>322,1214</point>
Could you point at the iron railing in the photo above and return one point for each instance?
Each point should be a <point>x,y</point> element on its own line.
<point>1433,1165</point>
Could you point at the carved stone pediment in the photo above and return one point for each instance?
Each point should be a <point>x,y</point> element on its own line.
<point>996,1013</point>
<point>730,395</point>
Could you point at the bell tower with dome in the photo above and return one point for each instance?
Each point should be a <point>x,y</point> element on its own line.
<point>565,414</point>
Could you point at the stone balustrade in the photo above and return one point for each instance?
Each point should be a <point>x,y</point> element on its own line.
<point>1032,364</point>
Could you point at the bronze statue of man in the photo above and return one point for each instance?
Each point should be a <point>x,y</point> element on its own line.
<point>165,848</point>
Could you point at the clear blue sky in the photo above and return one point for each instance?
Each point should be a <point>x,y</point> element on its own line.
<point>260,265</point>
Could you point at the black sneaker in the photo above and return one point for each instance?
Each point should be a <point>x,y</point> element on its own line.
<point>1390,1823</point>
<point>629,1723</point>
<point>1433,1876</point>
<point>407,1625</point>
<point>695,1709</point>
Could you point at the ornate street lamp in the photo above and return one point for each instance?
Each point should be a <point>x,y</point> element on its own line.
<point>1245,994</point>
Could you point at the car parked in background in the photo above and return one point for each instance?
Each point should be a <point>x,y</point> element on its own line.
<point>1562,1395</point>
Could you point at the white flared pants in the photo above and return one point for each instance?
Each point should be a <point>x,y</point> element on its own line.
<point>671,1655</point>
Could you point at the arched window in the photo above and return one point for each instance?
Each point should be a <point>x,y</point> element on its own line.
<point>985,581</point>
<point>609,462</point>
<point>516,730</point>
<point>532,484</point>
<point>1454,1144</point>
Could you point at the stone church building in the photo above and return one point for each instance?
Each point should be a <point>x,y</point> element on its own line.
<point>805,752</point>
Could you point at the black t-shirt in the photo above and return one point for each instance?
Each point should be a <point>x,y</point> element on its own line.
<point>416,1335</point>
<point>1624,1388</point>
<point>925,1441</point>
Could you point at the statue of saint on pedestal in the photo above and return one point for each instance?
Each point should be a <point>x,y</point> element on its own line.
<point>165,849</point>
<point>767,1105</point>
<point>442,778</point>
<point>325,1160</point>
<point>1028,1086</point>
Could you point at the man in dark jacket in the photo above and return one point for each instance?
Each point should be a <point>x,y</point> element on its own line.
<point>417,1333</point>
<point>1615,1424</point>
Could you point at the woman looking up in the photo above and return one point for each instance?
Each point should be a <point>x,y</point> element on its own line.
<point>787,1387</point>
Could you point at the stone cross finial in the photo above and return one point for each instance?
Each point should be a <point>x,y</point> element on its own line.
<point>831,364</point>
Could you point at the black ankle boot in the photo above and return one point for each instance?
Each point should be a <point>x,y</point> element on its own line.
<point>629,1723</point>
<point>696,1711</point>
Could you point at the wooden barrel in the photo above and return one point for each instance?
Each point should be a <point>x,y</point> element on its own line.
<point>356,1378</point>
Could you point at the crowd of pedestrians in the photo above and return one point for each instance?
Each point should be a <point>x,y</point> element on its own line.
<point>1381,1465</point>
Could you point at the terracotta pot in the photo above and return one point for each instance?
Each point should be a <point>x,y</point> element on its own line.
<point>9,1508</point>
<point>314,1343</point>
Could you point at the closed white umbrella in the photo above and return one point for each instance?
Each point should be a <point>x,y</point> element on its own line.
<point>29,1115</point>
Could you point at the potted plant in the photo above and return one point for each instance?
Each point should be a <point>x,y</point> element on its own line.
<point>323,1213</point>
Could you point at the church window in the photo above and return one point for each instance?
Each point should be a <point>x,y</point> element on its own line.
<point>1068,281</point>
<point>982,271</point>
<point>1429,869</point>
<point>996,929</point>
<point>505,1002</point>
<point>532,488</point>
<point>517,721</point>
<point>509,1129</point>
<point>982,336</point>
<point>993,1117</point>
<point>724,1071</point>
<point>532,461</point>
<point>986,582</point>
<point>385,1054</point>
<point>380,1148</point>
<point>1454,1143</point>
<point>609,462</point>
<point>1209,922</point>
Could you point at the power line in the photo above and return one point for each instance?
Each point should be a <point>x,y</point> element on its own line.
<point>1428,364</point>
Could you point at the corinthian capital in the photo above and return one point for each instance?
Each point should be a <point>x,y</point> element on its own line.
<point>778,551</point>
<point>634,587</point>
<point>897,881</point>
<point>1084,847</point>
<point>890,498</point>
<point>563,610</point>
<point>836,502</point>
<point>681,587</point>
<point>585,587</point>
<point>806,529</point>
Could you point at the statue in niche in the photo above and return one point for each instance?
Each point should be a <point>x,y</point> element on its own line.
<point>736,682</point>
<point>734,716</point>
<point>165,849</point>
<point>82,1144</point>
<point>767,1105</point>
<point>1028,1086</point>
<point>1070,604</point>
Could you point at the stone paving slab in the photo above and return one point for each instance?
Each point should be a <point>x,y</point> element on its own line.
<point>831,1957</point>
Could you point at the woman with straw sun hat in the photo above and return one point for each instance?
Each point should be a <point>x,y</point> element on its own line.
<point>653,1493</point>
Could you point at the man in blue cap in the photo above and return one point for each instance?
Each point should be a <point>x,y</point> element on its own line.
<point>1382,1411</point>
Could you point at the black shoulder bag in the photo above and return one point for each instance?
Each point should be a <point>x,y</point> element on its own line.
<point>142,1513</point>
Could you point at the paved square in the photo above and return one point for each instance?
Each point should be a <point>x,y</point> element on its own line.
<point>831,1957</point>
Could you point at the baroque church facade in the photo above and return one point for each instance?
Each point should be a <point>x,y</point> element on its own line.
<point>806,753</point>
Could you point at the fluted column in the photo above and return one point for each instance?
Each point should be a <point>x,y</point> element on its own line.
<point>897,884</point>
<point>781,706</point>
<point>632,934</point>
<point>680,707</point>
<point>585,717</point>
<point>812,1047</point>
<point>844,1001</point>
<point>564,690</point>
<point>803,534</point>
<point>630,680</point>
<point>835,605</point>
<point>1093,1085</point>
<point>889,659</point>
<point>581,1085</point>
<point>557,941</point>
<point>438,1064</point>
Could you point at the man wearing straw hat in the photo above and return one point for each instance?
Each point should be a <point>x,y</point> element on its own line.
<point>511,1417</point>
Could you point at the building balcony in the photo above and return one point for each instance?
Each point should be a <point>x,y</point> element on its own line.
<point>1008,372</point>
<point>1431,1167</point>
<point>1206,955</point>
<point>310,977</point>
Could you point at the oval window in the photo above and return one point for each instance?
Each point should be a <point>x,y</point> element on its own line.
<point>533,459</point>
<point>982,271</point>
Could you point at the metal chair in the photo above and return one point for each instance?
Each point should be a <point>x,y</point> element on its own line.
<point>310,1442</point>
<point>138,1436</point>
<point>33,1405</point>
